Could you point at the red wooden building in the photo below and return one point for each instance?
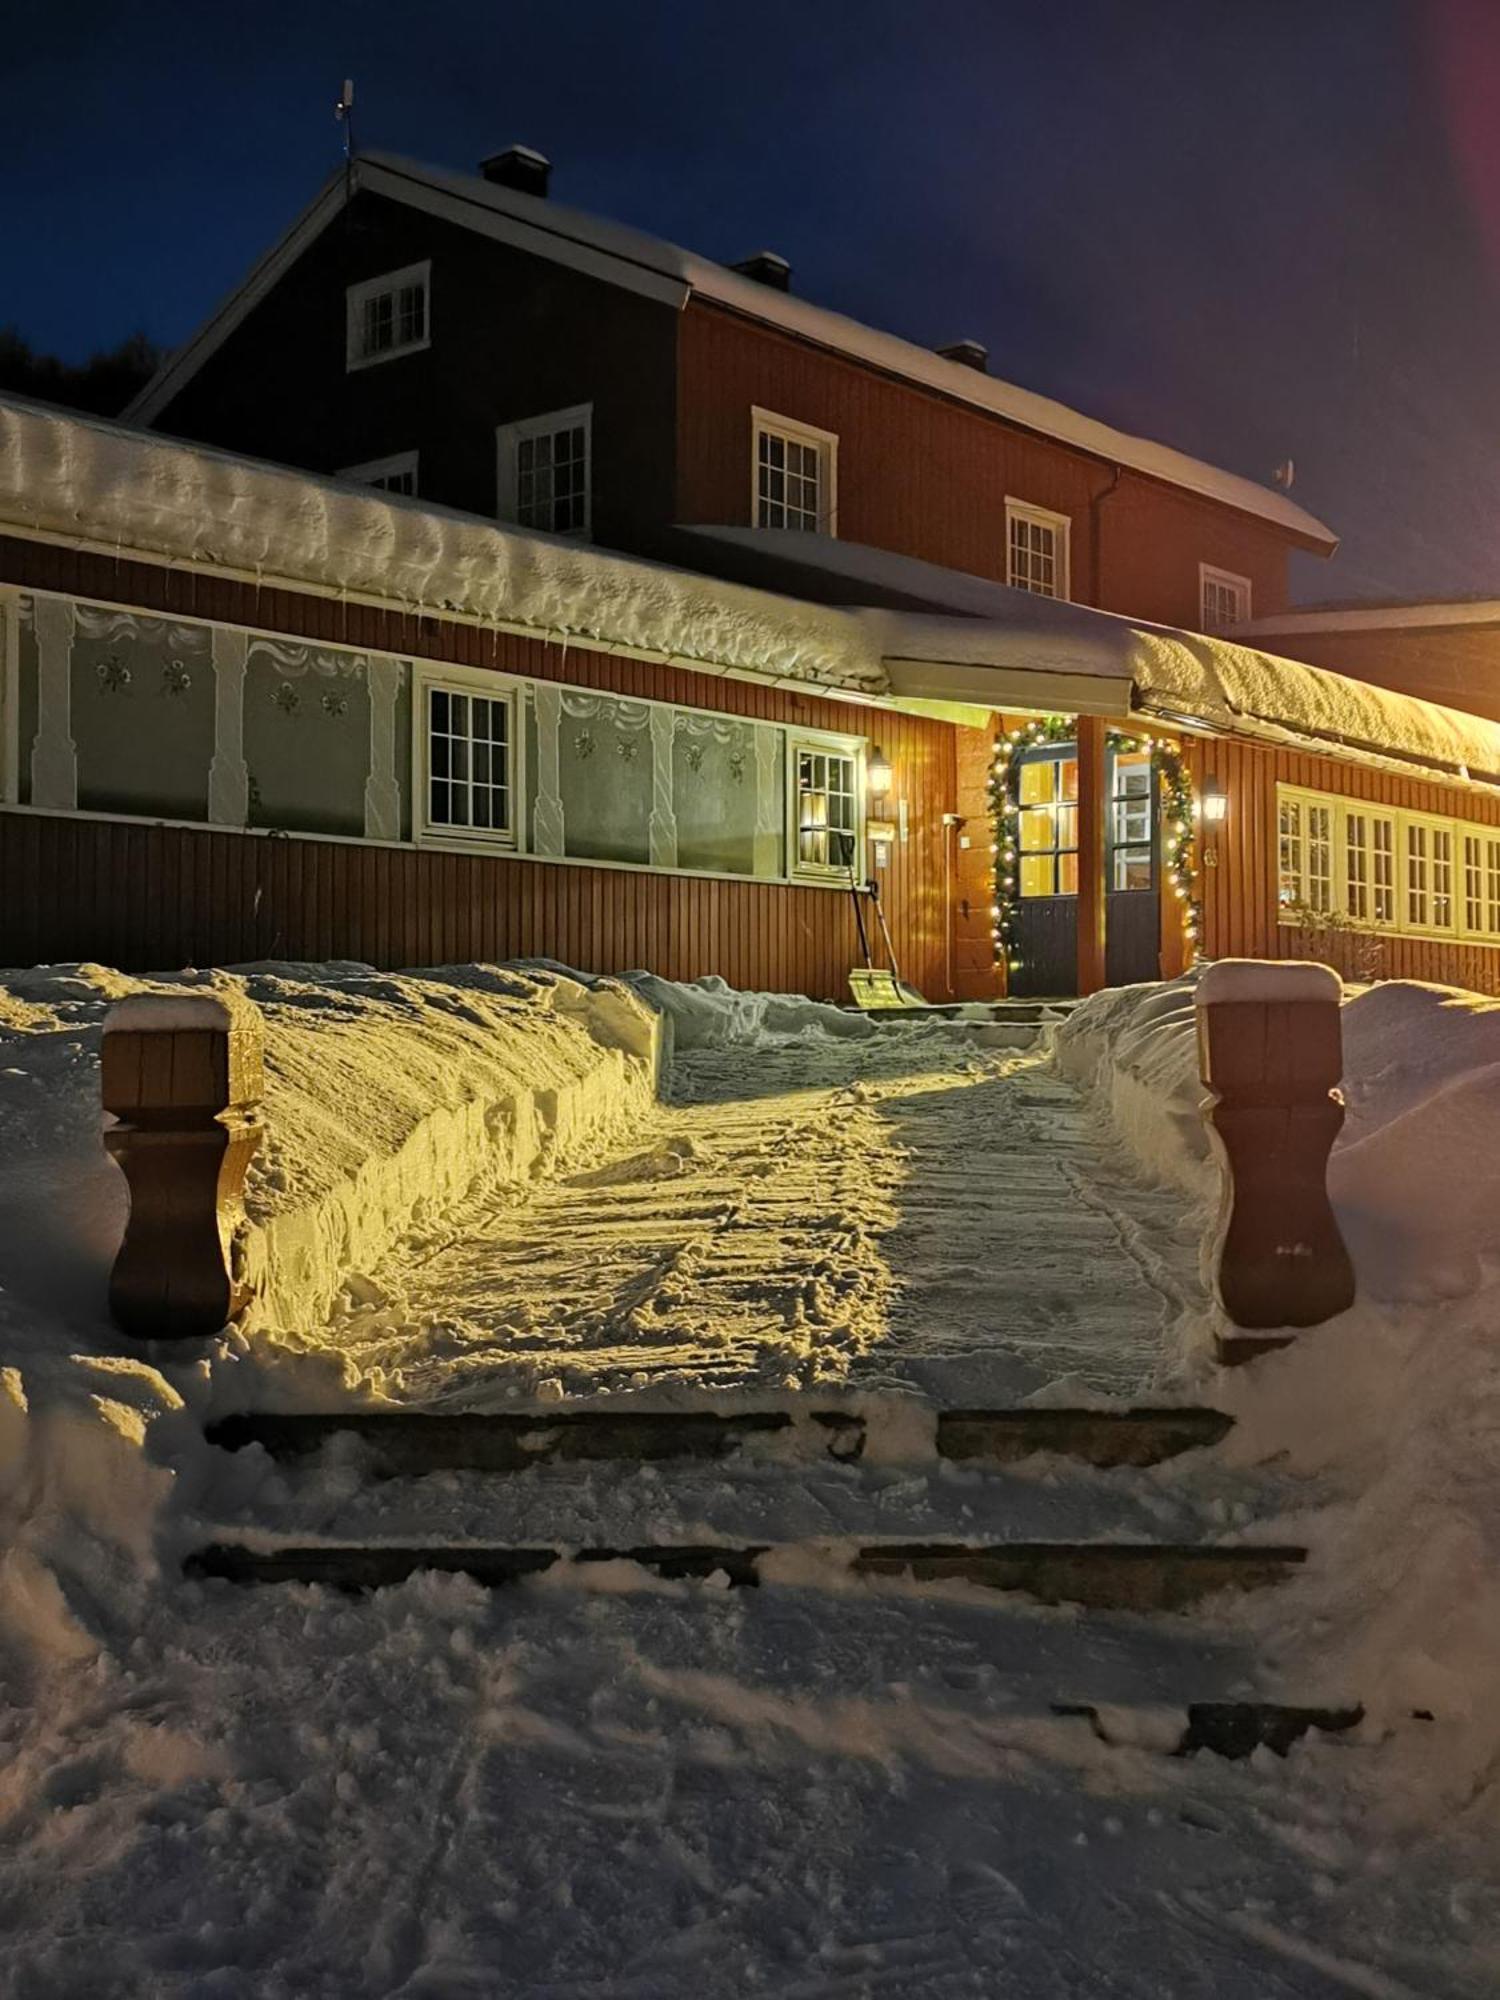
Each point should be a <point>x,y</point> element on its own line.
<point>247,712</point>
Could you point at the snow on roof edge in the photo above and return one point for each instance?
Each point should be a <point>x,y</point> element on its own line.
<point>83,480</point>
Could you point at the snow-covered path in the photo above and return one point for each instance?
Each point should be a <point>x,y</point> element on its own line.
<point>908,1206</point>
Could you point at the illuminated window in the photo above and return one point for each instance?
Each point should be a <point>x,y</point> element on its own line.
<point>1036,544</point>
<point>1048,812</point>
<point>825,800</point>
<point>795,475</point>
<point>1492,887</point>
<point>543,471</point>
<point>386,317</point>
<point>1223,598</point>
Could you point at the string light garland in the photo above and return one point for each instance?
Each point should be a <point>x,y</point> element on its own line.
<point>1178,825</point>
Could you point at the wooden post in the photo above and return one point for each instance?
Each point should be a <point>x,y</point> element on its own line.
<point>1270,1050</point>
<point>182,1075</point>
<point>1092,777</point>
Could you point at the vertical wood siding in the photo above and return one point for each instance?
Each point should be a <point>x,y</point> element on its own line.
<point>143,896</point>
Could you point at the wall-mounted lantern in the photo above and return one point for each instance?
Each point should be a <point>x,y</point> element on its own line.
<point>1213,803</point>
<point>878,775</point>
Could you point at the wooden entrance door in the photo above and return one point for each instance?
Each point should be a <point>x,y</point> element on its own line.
<point>1045,930</point>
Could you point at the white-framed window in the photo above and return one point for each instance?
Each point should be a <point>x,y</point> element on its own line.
<point>825,786</point>
<point>388,316</point>
<point>467,749</point>
<point>1037,549</point>
<point>1289,851</point>
<point>544,471</point>
<point>397,474</point>
<point>794,475</point>
<point>1418,873</point>
<point>1386,870</point>
<point>1223,598</point>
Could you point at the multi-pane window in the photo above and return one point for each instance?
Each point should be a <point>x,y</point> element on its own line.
<point>1036,549</point>
<point>1442,877</point>
<point>1224,598</point>
<point>1473,883</point>
<point>826,803</point>
<point>1357,898</point>
<point>1131,820</point>
<point>1047,799</point>
<point>544,472</point>
<point>1384,884</point>
<point>1418,882</point>
<point>1381,869</point>
<point>794,475</point>
<point>469,748</point>
<point>1289,857</point>
<point>388,475</point>
<point>1318,886</point>
<point>387,316</point>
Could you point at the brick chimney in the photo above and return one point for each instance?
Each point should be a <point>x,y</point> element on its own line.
<point>518,167</point>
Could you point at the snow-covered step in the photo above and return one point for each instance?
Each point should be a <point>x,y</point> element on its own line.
<point>1114,1576</point>
<point>417,1442</point>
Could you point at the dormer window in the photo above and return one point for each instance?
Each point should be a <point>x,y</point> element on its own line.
<point>388,316</point>
<point>544,473</point>
<point>390,475</point>
<point>794,475</point>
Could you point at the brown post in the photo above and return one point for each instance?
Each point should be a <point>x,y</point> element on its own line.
<point>1270,1049</point>
<point>182,1075</point>
<point>1092,775</point>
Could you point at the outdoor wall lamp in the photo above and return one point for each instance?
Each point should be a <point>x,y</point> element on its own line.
<point>878,775</point>
<point>1213,803</point>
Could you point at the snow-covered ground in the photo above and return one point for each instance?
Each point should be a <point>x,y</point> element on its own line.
<point>599,1783</point>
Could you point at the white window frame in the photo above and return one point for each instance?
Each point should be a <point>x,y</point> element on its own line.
<point>508,440</point>
<point>506,688</point>
<point>1062,557</point>
<point>824,743</point>
<point>1223,579</point>
<point>374,470</point>
<point>369,288</point>
<point>825,443</point>
<point>10,695</point>
<point>1431,830</point>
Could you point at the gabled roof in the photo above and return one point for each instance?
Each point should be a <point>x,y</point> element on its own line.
<point>134,495</point>
<point>645,264</point>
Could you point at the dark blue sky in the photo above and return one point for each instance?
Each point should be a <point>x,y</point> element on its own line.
<point>1253,228</point>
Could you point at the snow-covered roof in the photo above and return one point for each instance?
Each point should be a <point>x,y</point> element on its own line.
<point>89,484</point>
<point>1397,615</point>
<point>660,270</point>
<point>84,481</point>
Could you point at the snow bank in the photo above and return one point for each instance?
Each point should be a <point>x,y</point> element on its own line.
<point>1392,1411</point>
<point>388,1098</point>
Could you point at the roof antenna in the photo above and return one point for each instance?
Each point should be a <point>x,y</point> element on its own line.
<point>344,112</point>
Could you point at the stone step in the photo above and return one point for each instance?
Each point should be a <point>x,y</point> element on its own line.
<point>1114,1576</point>
<point>410,1443</point>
